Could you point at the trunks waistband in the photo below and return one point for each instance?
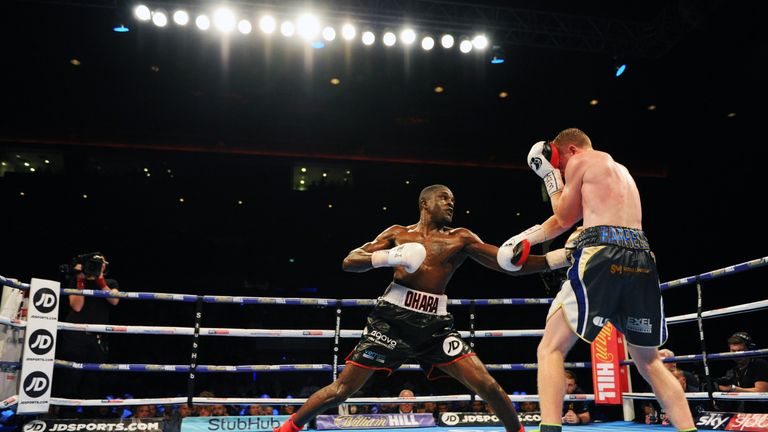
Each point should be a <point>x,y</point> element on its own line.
<point>417,301</point>
<point>630,238</point>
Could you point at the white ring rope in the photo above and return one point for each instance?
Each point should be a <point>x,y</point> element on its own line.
<point>265,333</point>
<point>365,401</point>
<point>295,401</point>
<point>703,395</point>
<point>731,310</point>
<point>188,331</point>
<point>141,367</point>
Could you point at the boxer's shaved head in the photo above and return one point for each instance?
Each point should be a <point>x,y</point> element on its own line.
<point>428,191</point>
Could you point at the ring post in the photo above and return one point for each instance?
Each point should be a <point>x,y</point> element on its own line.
<point>336,333</point>
<point>702,340</point>
<point>195,346</point>
<point>472,334</point>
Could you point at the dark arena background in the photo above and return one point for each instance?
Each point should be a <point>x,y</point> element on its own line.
<point>203,162</point>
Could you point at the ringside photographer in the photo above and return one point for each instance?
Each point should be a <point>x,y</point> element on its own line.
<point>86,271</point>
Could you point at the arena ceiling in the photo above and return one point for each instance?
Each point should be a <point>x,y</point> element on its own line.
<point>692,75</point>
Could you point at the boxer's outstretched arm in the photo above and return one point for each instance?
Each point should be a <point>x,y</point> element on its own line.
<point>485,254</point>
<point>359,260</point>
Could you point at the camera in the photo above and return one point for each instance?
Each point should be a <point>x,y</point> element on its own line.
<point>91,264</point>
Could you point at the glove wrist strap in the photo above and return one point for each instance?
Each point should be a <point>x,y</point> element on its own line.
<point>380,258</point>
<point>557,259</point>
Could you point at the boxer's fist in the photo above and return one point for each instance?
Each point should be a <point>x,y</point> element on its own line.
<point>408,255</point>
<point>544,160</point>
<point>513,253</point>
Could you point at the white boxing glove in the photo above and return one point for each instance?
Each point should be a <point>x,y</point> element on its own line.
<point>514,252</point>
<point>408,255</point>
<point>544,161</point>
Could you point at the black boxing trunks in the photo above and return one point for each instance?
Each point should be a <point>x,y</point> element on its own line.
<point>409,324</point>
<point>613,278</point>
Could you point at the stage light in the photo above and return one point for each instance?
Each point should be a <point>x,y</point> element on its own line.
<point>348,32</point>
<point>465,46</point>
<point>308,27</point>
<point>368,38</point>
<point>408,36</point>
<point>447,41</point>
<point>142,13</point>
<point>160,18</point>
<point>620,69</point>
<point>287,29</point>
<point>329,34</point>
<point>427,43</point>
<point>480,42</point>
<point>120,29</point>
<point>389,38</point>
<point>181,17</point>
<point>244,27</point>
<point>203,22</point>
<point>267,24</point>
<point>224,20</point>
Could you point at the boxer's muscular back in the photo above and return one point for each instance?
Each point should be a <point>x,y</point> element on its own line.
<point>609,195</point>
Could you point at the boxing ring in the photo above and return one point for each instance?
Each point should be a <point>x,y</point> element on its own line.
<point>335,365</point>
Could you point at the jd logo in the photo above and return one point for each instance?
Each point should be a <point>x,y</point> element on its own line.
<point>36,384</point>
<point>450,419</point>
<point>535,163</point>
<point>452,346</point>
<point>35,426</point>
<point>41,341</point>
<point>45,300</point>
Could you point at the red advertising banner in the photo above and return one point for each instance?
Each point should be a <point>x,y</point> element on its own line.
<point>606,374</point>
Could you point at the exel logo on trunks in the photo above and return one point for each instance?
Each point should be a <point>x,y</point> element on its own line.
<point>639,325</point>
<point>382,339</point>
<point>452,345</point>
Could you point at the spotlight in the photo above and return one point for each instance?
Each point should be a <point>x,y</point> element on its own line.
<point>408,36</point>
<point>224,20</point>
<point>287,28</point>
<point>465,46</point>
<point>389,38</point>
<point>244,27</point>
<point>480,42</point>
<point>329,34</point>
<point>120,29</point>
<point>160,18</point>
<point>348,32</point>
<point>427,43</point>
<point>181,17</point>
<point>447,41</point>
<point>368,38</point>
<point>308,27</point>
<point>267,24</point>
<point>142,13</point>
<point>203,22</point>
